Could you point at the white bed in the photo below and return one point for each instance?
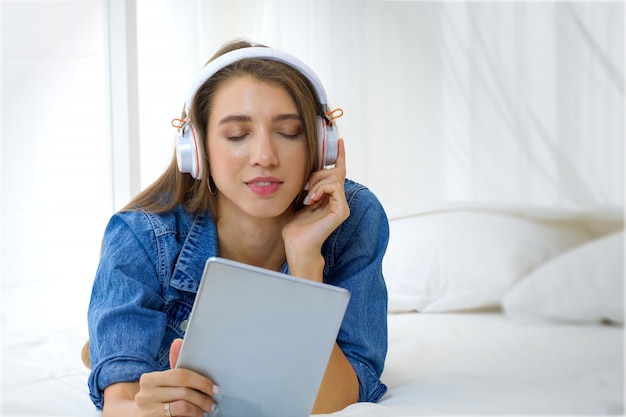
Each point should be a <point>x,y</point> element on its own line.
<point>483,364</point>
<point>491,312</point>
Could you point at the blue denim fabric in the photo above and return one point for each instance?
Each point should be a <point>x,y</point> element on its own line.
<point>149,273</point>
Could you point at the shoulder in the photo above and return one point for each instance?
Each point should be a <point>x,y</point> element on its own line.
<point>363,204</point>
<point>140,221</point>
<point>367,226</point>
<point>132,230</point>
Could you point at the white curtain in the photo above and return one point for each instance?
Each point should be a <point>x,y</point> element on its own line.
<point>56,181</point>
<point>533,99</point>
<point>515,104</point>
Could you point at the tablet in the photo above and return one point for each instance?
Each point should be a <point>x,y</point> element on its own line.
<point>263,337</point>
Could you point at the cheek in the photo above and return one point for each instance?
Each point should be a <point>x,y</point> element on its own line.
<point>300,160</point>
<point>304,157</point>
<point>221,157</point>
<point>238,153</point>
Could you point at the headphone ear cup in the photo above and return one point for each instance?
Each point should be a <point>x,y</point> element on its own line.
<point>188,152</point>
<point>327,137</point>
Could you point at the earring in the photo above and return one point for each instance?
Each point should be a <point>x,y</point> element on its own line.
<point>212,190</point>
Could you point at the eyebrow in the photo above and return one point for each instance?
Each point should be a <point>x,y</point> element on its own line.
<point>235,118</point>
<point>245,118</point>
<point>288,116</point>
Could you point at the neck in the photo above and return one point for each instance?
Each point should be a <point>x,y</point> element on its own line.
<point>257,243</point>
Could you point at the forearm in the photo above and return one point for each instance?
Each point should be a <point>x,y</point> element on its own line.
<point>119,400</point>
<point>121,407</point>
<point>340,385</point>
<point>305,265</point>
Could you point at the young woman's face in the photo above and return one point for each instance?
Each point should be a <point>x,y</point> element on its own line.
<point>257,148</point>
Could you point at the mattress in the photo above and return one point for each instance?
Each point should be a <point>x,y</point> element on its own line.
<point>486,363</point>
<point>437,364</point>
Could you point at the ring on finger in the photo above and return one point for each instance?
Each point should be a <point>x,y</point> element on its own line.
<point>167,410</point>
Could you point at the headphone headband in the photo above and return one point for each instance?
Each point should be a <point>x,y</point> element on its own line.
<point>254,52</point>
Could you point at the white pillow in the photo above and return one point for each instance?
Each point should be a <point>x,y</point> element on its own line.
<point>460,260</point>
<point>584,285</point>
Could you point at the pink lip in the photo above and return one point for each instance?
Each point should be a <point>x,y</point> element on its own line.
<point>264,185</point>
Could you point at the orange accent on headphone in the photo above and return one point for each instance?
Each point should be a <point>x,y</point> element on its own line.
<point>179,123</point>
<point>332,116</point>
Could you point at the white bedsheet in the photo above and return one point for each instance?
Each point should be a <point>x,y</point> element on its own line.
<point>438,364</point>
<point>485,363</point>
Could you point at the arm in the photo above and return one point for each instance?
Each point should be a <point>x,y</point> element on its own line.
<point>304,236</point>
<point>186,392</point>
<point>127,325</point>
<point>355,252</point>
<point>340,386</point>
<point>119,400</point>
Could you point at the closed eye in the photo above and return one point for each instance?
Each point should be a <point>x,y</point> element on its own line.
<point>236,138</point>
<point>291,136</point>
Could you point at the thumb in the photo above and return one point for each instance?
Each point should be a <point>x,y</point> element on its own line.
<point>177,344</point>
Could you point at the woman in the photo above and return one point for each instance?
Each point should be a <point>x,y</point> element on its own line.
<point>255,197</point>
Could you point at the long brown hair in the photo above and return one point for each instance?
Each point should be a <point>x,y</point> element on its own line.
<point>173,188</point>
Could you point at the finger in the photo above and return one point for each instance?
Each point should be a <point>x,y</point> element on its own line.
<point>175,378</point>
<point>176,385</point>
<point>340,164</point>
<point>330,187</point>
<point>182,408</point>
<point>339,167</point>
<point>189,401</point>
<point>180,377</point>
<point>175,348</point>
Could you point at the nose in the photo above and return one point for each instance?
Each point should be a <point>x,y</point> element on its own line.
<point>263,152</point>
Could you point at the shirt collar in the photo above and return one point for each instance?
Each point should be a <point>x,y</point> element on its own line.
<point>200,244</point>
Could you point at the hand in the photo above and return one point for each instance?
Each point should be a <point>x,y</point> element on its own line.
<point>325,209</point>
<point>188,393</point>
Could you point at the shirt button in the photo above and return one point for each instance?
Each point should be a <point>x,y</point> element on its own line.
<point>183,325</point>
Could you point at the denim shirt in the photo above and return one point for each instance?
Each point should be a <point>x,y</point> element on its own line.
<point>150,270</point>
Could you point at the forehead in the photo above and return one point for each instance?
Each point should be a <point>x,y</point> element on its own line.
<point>249,95</point>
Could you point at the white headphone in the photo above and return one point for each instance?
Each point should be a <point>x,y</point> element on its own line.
<point>188,146</point>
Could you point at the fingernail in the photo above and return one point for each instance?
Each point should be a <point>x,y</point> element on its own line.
<point>306,186</point>
<point>216,389</point>
<point>214,408</point>
<point>306,200</point>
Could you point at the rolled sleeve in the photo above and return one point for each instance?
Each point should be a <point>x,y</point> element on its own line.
<point>363,335</point>
<point>356,265</point>
<point>126,321</point>
<point>112,370</point>
<point>371,389</point>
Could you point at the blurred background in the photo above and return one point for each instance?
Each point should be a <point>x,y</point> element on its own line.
<point>513,105</point>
